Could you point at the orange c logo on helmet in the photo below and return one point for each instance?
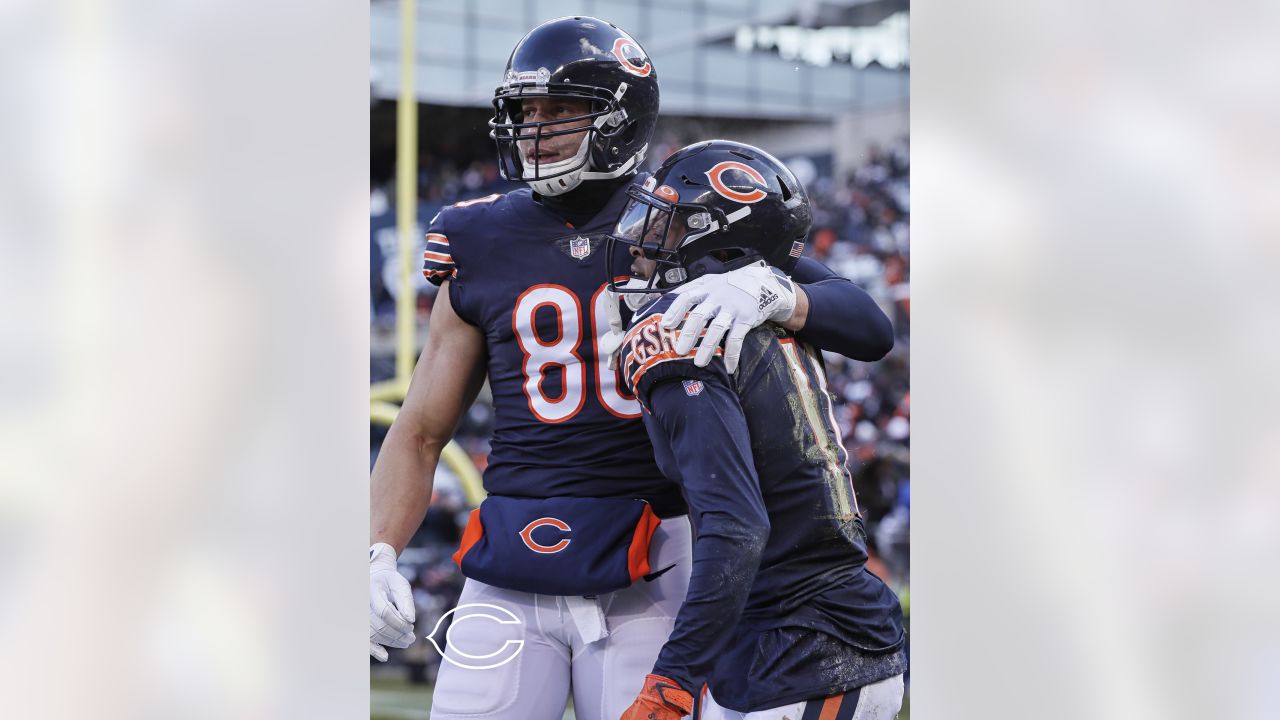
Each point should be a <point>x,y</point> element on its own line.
<point>666,192</point>
<point>632,64</point>
<point>527,535</point>
<point>755,195</point>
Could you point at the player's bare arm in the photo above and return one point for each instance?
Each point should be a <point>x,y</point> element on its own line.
<point>799,313</point>
<point>445,382</point>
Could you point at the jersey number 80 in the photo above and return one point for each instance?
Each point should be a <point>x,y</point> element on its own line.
<point>562,352</point>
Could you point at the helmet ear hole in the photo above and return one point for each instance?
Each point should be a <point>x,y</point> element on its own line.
<point>727,255</point>
<point>628,132</point>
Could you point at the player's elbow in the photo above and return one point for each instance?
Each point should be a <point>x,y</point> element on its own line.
<point>759,537</point>
<point>880,341</point>
<point>416,438</point>
<point>875,340</point>
<point>750,532</point>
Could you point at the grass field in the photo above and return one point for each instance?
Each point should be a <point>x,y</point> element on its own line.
<point>392,699</point>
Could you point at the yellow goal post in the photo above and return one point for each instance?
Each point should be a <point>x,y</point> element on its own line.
<point>384,397</point>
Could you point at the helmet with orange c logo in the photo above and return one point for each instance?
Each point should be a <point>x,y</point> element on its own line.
<point>713,207</point>
<point>585,59</point>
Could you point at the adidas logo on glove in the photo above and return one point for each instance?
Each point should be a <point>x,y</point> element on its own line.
<point>767,298</point>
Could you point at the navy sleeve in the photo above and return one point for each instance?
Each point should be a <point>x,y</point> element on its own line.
<point>437,259</point>
<point>707,432</point>
<point>439,263</point>
<point>842,316</point>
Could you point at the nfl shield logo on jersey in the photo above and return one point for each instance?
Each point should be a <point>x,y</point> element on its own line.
<point>579,247</point>
<point>692,387</point>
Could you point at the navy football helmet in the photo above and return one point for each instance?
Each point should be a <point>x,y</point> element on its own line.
<point>582,58</point>
<point>712,207</point>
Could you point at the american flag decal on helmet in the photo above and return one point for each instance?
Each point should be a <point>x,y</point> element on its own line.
<point>797,249</point>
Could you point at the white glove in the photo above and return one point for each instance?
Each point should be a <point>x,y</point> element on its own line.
<point>612,340</point>
<point>738,301</point>
<point>391,610</point>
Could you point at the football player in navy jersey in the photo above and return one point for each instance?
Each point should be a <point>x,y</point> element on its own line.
<point>581,539</point>
<point>782,618</point>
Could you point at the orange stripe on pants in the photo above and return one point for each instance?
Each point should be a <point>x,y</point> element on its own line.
<point>830,707</point>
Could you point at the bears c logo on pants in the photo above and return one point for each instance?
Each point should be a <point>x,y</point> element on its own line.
<point>527,535</point>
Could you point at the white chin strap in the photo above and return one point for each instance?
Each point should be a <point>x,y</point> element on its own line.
<point>573,178</point>
<point>635,301</point>
<point>559,184</point>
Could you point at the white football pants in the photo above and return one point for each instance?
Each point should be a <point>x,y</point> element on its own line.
<point>516,656</point>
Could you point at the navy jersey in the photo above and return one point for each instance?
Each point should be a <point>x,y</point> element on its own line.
<point>565,423</point>
<point>759,453</point>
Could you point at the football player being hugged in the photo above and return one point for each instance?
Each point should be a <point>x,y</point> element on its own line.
<point>782,618</point>
<point>582,546</point>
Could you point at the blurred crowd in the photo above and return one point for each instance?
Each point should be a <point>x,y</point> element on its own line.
<point>861,230</point>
